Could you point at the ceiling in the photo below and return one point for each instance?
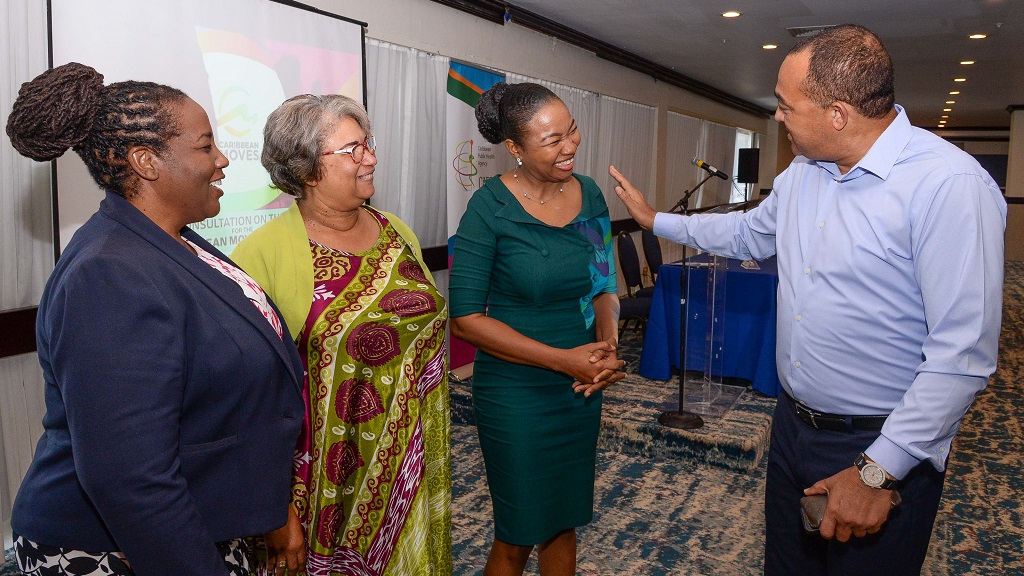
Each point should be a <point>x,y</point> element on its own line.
<point>926,38</point>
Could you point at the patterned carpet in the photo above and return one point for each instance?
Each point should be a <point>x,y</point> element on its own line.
<point>701,512</point>
<point>661,516</point>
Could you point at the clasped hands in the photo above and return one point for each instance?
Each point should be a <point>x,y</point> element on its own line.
<point>595,366</point>
<point>854,508</point>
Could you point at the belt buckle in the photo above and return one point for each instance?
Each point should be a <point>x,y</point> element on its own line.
<point>809,412</point>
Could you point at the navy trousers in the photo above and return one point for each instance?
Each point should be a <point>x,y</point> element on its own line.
<point>800,456</point>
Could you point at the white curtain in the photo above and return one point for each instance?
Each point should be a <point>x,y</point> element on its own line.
<point>26,234</point>
<point>406,101</point>
<point>681,175</point>
<point>626,137</point>
<point>717,146</point>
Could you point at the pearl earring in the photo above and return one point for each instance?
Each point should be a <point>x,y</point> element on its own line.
<point>519,161</point>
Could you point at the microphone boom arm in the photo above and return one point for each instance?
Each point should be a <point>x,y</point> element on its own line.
<point>686,196</point>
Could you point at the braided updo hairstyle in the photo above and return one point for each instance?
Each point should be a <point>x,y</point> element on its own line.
<point>506,109</point>
<point>68,107</point>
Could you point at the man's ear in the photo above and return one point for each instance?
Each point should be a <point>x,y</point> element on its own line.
<point>144,162</point>
<point>839,114</point>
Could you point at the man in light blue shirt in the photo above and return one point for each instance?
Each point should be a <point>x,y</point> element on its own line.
<point>890,255</point>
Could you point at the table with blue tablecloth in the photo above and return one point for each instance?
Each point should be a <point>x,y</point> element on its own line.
<point>749,336</point>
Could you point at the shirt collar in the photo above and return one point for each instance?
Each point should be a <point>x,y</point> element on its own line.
<point>883,154</point>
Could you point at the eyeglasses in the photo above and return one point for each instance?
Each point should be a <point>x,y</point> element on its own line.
<point>356,151</point>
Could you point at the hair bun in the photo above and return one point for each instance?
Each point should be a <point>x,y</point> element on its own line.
<point>488,113</point>
<point>55,111</point>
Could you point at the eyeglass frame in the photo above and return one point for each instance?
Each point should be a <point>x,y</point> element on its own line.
<point>369,143</point>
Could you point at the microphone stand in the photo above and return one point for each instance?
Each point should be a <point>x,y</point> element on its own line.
<point>681,205</point>
<point>682,419</point>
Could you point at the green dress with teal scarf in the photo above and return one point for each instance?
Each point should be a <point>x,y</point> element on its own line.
<point>538,437</point>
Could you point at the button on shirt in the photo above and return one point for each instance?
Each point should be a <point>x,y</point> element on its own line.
<point>890,284</point>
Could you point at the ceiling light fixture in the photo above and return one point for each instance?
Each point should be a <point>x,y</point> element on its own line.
<point>945,115</point>
<point>731,14</point>
<point>770,46</point>
<point>947,109</point>
<point>950,101</point>
<point>978,36</point>
<point>959,79</point>
<point>954,92</point>
<point>967,62</point>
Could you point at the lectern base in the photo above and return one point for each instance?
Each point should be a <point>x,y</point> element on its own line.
<point>681,420</point>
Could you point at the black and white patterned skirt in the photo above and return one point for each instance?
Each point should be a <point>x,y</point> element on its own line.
<point>42,560</point>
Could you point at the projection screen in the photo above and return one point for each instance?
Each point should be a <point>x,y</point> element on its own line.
<point>239,59</point>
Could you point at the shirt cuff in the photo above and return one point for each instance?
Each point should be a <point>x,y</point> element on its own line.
<point>891,457</point>
<point>664,225</point>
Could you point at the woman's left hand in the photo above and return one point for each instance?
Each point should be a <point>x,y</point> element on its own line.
<point>286,547</point>
<point>607,359</point>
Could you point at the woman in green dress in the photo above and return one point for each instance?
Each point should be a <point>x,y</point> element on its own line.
<point>371,493</point>
<point>533,287</point>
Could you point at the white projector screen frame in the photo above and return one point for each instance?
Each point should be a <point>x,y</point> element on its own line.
<point>239,59</point>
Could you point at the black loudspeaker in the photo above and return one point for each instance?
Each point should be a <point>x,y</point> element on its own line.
<point>746,172</point>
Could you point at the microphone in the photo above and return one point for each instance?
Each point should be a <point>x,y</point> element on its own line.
<point>710,169</point>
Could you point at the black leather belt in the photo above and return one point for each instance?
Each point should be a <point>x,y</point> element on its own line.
<point>835,422</point>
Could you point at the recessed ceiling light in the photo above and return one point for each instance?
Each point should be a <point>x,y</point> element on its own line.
<point>950,101</point>
<point>731,14</point>
<point>954,92</point>
<point>967,62</point>
<point>947,109</point>
<point>959,79</point>
<point>978,36</point>
<point>770,46</point>
<point>945,115</point>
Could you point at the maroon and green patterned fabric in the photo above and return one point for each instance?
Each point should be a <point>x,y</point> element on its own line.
<point>373,470</point>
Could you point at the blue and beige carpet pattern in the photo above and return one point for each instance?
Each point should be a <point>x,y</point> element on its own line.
<point>682,503</point>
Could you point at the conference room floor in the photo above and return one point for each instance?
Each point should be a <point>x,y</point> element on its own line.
<point>657,517</point>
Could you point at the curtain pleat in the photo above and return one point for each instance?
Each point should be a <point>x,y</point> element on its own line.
<point>26,260</point>
<point>406,91</point>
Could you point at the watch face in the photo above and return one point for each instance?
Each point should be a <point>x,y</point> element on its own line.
<point>872,475</point>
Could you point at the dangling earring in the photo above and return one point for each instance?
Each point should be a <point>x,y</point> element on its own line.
<point>519,161</point>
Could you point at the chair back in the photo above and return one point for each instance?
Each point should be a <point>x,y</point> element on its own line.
<point>629,263</point>
<point>652,252</point>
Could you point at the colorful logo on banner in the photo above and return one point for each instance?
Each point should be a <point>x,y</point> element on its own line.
<point>248,79</point>
<point>471,158</point>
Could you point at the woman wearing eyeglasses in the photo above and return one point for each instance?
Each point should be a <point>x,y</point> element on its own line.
<point>371,491</point>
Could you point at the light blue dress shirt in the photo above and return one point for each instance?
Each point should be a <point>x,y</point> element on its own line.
<point>890,284</point>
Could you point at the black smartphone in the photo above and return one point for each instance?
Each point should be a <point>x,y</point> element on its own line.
<point>812,510</point>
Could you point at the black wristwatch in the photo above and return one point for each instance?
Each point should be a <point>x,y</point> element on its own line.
<point>874,475</point>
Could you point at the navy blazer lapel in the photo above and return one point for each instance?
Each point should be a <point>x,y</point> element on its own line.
<point>220,285</point>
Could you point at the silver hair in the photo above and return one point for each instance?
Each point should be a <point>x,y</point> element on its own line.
<point>295,133</point>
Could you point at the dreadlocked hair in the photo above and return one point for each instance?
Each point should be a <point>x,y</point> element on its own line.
<point>68,107</point>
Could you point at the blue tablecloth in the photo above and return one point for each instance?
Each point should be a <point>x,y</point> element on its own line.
<point>749,345</point>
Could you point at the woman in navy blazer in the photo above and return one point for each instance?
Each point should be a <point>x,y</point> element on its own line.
<point>172,389</point>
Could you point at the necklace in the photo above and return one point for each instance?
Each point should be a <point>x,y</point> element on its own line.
<point>528,197</point>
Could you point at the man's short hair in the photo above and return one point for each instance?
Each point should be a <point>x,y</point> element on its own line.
<point>849,63</point>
